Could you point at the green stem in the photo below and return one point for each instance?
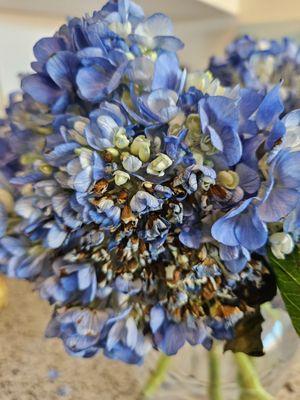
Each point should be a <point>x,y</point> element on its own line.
<point>157,377</point>
<point>214,388</point>
<point>251,387</point>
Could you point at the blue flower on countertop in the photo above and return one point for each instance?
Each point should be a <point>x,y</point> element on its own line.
<point>142,196</point>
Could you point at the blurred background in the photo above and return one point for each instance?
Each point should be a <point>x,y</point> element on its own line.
<point>30,367</point>
<point>206,26</point>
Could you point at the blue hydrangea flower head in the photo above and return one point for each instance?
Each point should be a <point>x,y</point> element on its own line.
<point>141,196</point>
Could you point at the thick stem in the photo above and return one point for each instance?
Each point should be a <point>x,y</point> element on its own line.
<point>214,388</point>
<point>157,377</point>
<point>251,387</point>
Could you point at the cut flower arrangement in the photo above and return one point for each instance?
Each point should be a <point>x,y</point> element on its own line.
<point>152,206</point>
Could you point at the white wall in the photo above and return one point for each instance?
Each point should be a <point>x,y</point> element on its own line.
<point>203,37</point>
<point>18,33</point>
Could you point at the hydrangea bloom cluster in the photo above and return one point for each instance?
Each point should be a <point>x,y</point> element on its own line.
<point>260,64</point>
<point>145,196</point>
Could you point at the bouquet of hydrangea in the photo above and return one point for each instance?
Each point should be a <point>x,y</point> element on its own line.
<point>147,203</point>
<point>261,64</point>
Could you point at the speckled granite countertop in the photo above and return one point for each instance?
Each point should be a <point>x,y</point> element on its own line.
<point>29,364</point>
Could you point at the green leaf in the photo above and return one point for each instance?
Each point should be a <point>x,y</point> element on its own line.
<point>287,274</point>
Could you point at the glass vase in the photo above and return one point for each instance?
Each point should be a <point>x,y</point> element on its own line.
<point>187,374</point>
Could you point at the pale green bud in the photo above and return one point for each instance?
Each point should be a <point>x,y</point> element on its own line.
<point>205,82</point>
<point>120,139</point>
<point>193,122</point>
<point>152,55</point>
<point>113,152</point>
<point>206,145</point>
<point>159,165</point>
<point>141,147</point>
<point>121,177</point>
<point>7,200</point>
<point>28,158</point>
<point>206,182</point>
<point>281,244</point>
<point>130,56</point>
<point>198,156</point>
<point>46,169</point>
<point>228,179</point>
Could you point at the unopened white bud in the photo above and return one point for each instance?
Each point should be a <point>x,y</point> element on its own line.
<point>121,177</point>
<point>159,165</point>
<point>141,147</point>
<point>281,244</point>
<point>120,139</point>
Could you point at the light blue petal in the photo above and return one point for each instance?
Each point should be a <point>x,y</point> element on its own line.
<point>55,237</point>
<point>250,231</point>
<point>280,203</point>
<point>61,67</point>
<point>270,108</point>
<point>155,24</point>
<point>92,83</point>
<point>157,317</point>
<point>83,180</point>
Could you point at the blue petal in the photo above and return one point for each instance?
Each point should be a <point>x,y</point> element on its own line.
<point>85,277</point>
<point>92,83</point>
<point>55,237</point>
<point>140,70</point>
<point>173,339</point>
<point>251,232</point>
<point>270,108</point>
<point>249,178</point>
<point>155,24</point>
<point>280,202</point>
<point>41,89</point>
<point>115,334</point>
<point>157,317</point>
<point>191,237</point>
<point>62,67</point>
<point>168,43</point>
<point>62,154</point>
<point>48,46</point>
<point>83,180</point>
<point>167,73</point>
<point>223,230</point>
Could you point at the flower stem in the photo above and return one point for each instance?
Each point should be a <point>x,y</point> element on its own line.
<point>157,377</point>
<point>214,388</point>
<point>251,387</point>
<point>3,292</point>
